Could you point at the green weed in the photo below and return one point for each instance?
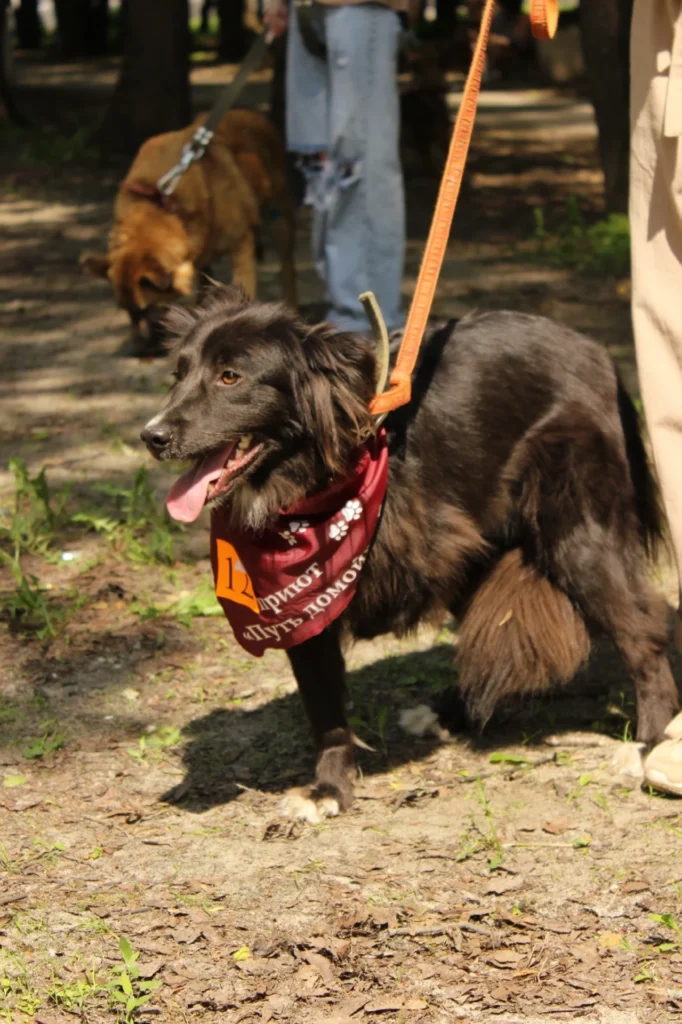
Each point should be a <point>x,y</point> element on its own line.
<point>156,742</point>
<point>138,529</point>
<point>17,994</point>
<point>127,991</point>
<point>602,248</point>
<point>29,524</point>
<point>50,741</point>
<point>74,995</point>
<point>670,922</point>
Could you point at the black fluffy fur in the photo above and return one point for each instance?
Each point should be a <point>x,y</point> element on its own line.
<point>519,497</point>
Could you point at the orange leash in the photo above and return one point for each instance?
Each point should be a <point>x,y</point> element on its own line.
<point>544,16</point>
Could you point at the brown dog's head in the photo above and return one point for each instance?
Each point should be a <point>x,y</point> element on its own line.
<point>148,265</point>
<point>268,407</point>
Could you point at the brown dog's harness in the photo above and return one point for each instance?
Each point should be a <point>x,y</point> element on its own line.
<point>544,15</point>
<point>152,193</point>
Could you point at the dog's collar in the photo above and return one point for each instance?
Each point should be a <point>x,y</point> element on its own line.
<point>152,193</point>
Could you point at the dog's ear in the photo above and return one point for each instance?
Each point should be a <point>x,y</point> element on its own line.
<point>224,298</point>
<point>333,396</point>
<point>95,264</point>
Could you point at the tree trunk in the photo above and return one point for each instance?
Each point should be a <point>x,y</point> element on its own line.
<point>605,34</point>
<point>152,94</point>
<point>233,41</point>
<point>29,28</point>
<point>82,26</point>
<point>9,111</point>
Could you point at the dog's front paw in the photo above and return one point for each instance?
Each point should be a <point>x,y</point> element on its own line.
<point>310,805</point>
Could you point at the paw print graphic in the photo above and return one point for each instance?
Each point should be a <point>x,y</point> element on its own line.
<point>352,510</point>
<point>295,526</point>
<point>338,530</point>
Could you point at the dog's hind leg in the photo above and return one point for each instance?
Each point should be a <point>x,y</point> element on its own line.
<point>243,258</point>
<point>609,585</point>
<point>320,673</point>
<point>283,231</point>
<point>583,523</point>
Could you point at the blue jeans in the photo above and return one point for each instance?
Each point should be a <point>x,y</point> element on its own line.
<point>348,108</point>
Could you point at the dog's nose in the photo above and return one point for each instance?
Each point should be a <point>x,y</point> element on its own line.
<point>156,438</point>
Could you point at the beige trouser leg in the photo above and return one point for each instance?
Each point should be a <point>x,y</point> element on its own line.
<point>656,230</point>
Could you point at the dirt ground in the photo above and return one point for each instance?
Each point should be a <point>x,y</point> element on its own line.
<point>143,755</point>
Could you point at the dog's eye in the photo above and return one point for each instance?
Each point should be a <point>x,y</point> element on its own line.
<point>229,377</point>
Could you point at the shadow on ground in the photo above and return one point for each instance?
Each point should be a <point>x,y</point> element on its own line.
<point>269,748</point>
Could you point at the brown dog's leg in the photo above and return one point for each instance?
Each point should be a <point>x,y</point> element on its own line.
<point>284,236</point>
<point>244,264</point>
<point>320,673</point>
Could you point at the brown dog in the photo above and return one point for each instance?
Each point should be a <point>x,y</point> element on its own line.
<point>158,243</point>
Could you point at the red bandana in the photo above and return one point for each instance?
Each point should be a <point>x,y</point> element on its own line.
<point>285,585</point>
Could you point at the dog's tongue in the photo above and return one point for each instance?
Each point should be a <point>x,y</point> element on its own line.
<point>187,496</point>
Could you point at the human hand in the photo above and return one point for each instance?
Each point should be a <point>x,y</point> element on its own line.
<point>276,17</point>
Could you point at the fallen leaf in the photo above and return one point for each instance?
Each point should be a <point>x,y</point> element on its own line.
<point>322,966</point>
<point>187,934</point>
<point>609,940</point>
<point>557,827</point>
<point>385,1005</point>
<point>352,920</point>
<point>149,969</point>
<point>385,917</point>
<point>351,1005</point>
<point>10,781</point>
<point>505,958</point>
<point>501,758</point>
<point>630,887</point>
<point>415,1004</point>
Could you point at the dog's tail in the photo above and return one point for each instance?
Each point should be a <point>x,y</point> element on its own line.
<point>518,635</point>
<point>647,495</point>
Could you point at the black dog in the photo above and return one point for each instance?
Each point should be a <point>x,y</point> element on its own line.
<point>519,497</point>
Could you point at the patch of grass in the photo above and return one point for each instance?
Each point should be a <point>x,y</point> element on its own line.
<point>670,922</point>
<point>477,839</point>
<point>50,740</point>
<point>36,519</point>
<point>198,603</point>
<point>138,528</point>
<point>166,737</point>
<point>602,248</point>
<point>27,526</point>
<point>17,993</point>
<point>47,145</point>
<point>74,995</point>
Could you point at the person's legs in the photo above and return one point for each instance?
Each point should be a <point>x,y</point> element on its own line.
<point>307,95</point>
<point>360,210</point>
<point>656,240</point>
<point>656,234</point>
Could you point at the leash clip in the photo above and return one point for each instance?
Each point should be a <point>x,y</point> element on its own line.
<point>191,151</point>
